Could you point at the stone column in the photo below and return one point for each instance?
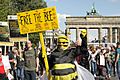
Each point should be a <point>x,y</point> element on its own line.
<point>115,35</point>
<point>118,34</point>
<point>9,48</point>
<point>87,34</point>
<point>77,33</point>
<point>66,32</point>
<point>110,35</point>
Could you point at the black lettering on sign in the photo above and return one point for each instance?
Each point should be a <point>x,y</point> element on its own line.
<point>37,17</point>
<point>25,20</point>
<point>48,16</point>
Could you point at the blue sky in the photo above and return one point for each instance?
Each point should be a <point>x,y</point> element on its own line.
<point>79,8</point>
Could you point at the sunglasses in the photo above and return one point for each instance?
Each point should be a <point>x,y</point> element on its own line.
<point>63,45</point>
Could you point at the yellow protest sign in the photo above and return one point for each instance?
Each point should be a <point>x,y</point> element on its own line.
<point>37,20</point>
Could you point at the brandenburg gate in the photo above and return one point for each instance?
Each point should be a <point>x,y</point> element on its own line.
<point>94,21</point>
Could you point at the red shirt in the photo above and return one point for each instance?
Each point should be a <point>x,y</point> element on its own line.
<point>2,71</point>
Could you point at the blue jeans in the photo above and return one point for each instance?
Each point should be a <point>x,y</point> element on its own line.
<point>30,75</point>
<point>93,67</point>
<point>20,73</point>
<point>109,68</point>
<point>118,69</point>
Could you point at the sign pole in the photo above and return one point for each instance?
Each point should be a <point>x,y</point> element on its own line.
<point>44,55</point>
<point>27,36</point>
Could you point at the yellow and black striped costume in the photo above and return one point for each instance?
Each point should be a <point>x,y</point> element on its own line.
<point>62,66</point>
<point>61,61</point>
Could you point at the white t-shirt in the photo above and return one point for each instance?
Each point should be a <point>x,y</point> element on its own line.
<point>94,55</point>
<point>6,63</point>
<point>102,60</point>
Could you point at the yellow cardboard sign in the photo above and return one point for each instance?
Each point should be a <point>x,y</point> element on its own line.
<point>37,20</point>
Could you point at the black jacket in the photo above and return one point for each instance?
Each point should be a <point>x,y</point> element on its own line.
<point>66,56</point>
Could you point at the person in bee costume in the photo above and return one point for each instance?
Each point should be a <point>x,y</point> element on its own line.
<point>61,61</point>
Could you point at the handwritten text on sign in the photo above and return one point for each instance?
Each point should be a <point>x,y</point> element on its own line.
<point>37,20</point>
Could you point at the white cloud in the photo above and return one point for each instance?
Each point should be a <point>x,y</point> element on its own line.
<point>62,16</point>
<point>62,19</point>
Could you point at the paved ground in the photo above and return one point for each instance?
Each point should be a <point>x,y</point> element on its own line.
<point>113,78</point>
<point>97,78</point>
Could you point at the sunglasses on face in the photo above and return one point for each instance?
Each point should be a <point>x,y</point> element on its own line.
<point>63,45</point>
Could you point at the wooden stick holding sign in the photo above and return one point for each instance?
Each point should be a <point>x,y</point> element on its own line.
<point>44,55</point>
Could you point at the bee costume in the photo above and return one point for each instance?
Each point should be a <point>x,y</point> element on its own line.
<point>61,61</point>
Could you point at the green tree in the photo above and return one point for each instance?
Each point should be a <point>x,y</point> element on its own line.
<point>27,5</point>
<point>9,7</point>
<point>4,7</point>
<point>12,7</point>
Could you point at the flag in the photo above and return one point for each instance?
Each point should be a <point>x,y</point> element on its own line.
<point>83,74</point>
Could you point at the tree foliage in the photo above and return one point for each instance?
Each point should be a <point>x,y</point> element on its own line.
<point>26,5</point>
<point>4,9</point>
<point>11,7</point>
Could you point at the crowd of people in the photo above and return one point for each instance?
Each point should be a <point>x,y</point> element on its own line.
<point>20,67</point>
<point>99,60</point>
<point>104,61</point>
